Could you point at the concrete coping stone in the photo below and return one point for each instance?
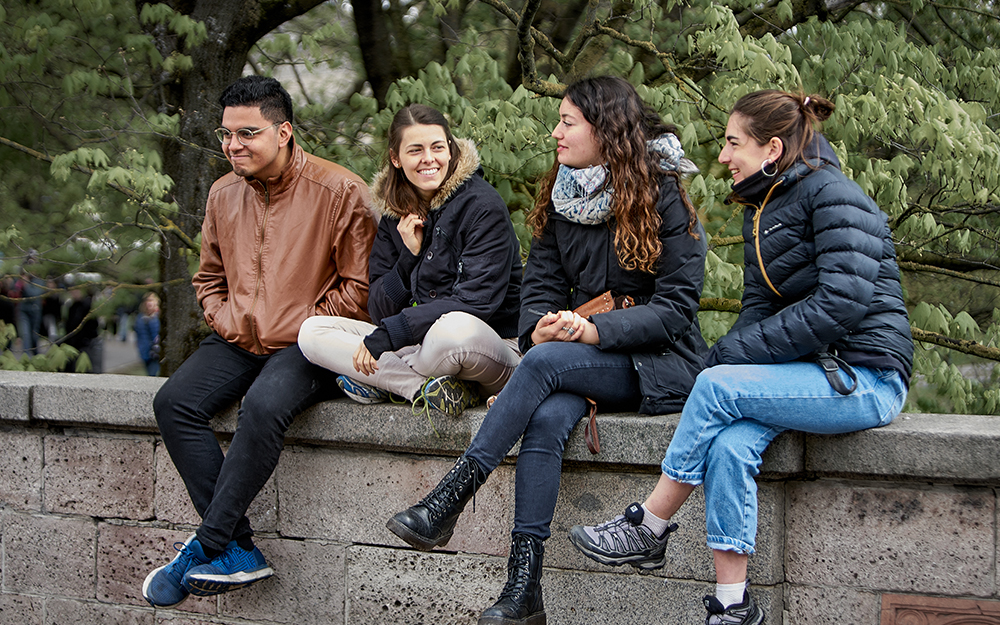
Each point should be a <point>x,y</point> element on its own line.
<point>958,448</point>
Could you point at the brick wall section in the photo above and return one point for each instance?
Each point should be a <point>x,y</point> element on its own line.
<point>90,503</point>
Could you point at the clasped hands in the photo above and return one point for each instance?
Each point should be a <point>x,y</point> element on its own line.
<point>566,326</point>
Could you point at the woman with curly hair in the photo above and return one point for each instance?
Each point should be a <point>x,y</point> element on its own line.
<point>611,216</point>
<point>822,344</point>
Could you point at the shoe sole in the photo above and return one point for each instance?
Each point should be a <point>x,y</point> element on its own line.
<point>209,585</point>
<point>534,619</point>
<point>639,562</point>
<point>414,539</point>
<point>145,589</point>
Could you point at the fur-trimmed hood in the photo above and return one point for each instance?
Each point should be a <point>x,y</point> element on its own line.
<point>467,166</point>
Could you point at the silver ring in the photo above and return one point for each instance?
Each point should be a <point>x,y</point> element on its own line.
<point>571,331</point>
<point>567,329</point>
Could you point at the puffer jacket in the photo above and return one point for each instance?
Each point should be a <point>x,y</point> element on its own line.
<point>274,252</point>
<point>572,263</point>
<point>469,261</point>
<point>820,270</point>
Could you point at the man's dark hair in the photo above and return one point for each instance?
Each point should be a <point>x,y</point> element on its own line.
<point>265,93</point>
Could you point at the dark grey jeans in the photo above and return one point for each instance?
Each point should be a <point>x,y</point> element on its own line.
<point>541,404</point>
<point>275,389</point>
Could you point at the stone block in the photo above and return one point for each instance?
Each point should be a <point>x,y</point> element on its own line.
<point>907,609</point>
<point>410,587</point>
<point>939,447</point>
<point>348,496</point>
<point>48,555</point>
<point>108,399</point>
<point>61,611</point>
<point>896,538</point>
<point>306,589</point>
<point>592,497</point>
<point>21,609</point>
<point>805,605</point>
<point>173,504</point>
<point>171,501</point>
<point>21,469</point>
<point>127,553</point>
<point>385,425</point>
<point>100,477</point>
<point>15,394</point>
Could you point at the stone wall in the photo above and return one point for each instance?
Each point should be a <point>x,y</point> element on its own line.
<point>853,529</point>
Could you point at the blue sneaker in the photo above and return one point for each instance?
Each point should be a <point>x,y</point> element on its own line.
<point>164,587</point>
<point>233,568</point>
<point>361,392</point>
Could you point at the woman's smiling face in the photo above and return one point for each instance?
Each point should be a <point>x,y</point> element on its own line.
<point>424,156</point>
<point>742,154</point>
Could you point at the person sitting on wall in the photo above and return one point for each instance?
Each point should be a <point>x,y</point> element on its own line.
<point>445,275</point>
<point>286,236</point>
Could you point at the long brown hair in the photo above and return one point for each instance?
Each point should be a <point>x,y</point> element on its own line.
<point>791,117</point>
<point>622,124</point>
<point>399,194</point>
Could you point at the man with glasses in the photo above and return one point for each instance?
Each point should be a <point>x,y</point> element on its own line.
<point>286,236</point>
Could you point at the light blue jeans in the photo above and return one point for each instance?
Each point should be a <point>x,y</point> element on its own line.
<point>735,411</point>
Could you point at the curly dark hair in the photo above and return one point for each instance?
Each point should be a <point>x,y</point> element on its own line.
<point>622,124</point>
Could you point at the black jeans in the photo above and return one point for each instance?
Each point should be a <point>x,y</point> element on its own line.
<point>275,389</point>
<point>541,404</point>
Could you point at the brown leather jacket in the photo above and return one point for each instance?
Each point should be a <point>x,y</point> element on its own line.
<point>278,251</point>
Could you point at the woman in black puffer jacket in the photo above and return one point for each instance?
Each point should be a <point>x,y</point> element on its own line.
<point>822,343</point>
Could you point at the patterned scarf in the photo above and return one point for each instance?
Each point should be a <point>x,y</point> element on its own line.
<point>582,196</point>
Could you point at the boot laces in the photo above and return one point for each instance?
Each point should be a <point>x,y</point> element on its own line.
<point>445,494</point>
<point>518,574</point>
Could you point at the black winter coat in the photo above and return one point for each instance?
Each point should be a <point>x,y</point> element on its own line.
<point>470,261</point>
<point>820,269</point>
<point>572,263</point>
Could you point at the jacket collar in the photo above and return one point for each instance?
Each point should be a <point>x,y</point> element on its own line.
<point>465,168</point>
<point>287,177</point>
<point>818,154</point>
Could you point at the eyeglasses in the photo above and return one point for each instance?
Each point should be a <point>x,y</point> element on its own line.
<point>244,135</point>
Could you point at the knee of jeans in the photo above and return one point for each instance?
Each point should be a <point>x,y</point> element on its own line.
<point>308,333</point>
<point>551,423</point>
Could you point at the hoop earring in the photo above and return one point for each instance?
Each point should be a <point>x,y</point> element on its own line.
<point>763,168</point>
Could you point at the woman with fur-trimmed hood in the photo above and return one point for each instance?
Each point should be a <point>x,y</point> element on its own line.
<point>445,278</point>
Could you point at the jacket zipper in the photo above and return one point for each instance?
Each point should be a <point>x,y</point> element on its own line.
<point>260,270</point>
<point>756,239</point>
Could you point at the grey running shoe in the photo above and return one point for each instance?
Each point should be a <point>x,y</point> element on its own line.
<point>745,613</point>
<point>447,394</point>
<point>623,540</point>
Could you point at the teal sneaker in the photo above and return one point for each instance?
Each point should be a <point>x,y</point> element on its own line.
<point>232,569</point>
<point>164,586</point>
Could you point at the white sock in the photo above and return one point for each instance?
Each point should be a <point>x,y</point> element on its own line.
<point>653,522</point>
<point>730,594</point>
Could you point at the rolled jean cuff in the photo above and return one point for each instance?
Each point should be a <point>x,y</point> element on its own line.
<point>694,479</point>
<point>724,543</point>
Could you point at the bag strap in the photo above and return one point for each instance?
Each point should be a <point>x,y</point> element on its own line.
<point>831,363</point>
<point>590,430</point>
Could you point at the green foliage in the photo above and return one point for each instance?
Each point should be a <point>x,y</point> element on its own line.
<point>916,123</point>
<point>54,359</point>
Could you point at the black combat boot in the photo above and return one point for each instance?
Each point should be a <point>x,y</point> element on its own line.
<point>520,603</point>
<point>431,522</point>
